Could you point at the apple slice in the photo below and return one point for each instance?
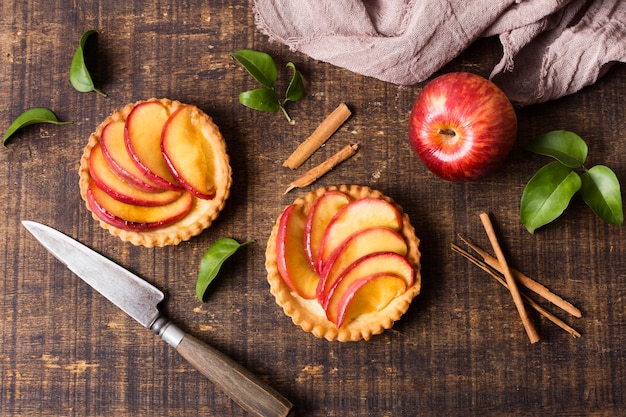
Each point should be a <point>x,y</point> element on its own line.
<point>133,217</point>
<point>321,212</point>
<point>357,215</point>
<point>116,153</point>
<point>369,294</point>
<point>291,260</point>
<point>120,190</point>
<point>375,263</point>
<point>142,134</point>
<point>188,152</point>
<point>358,245</point>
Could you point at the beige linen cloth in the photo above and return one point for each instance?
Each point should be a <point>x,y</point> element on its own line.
<point>551,48</point>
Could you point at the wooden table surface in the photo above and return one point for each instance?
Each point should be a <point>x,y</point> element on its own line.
<point>460,349</point>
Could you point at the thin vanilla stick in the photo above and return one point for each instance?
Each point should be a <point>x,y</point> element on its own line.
<point>315,173</point>
<point>517,298</point>
<point>323,132</point>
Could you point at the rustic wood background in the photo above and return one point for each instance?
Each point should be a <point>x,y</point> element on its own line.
<point>460,349</point>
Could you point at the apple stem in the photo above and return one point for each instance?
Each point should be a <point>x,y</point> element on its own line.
<point>447,132</point>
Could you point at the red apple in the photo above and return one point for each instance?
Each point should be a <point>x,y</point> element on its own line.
<point>462,126</point>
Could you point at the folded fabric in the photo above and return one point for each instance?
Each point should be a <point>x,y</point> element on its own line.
<point>551,48</point>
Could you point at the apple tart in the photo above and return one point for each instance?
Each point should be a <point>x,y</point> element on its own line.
<point>343,262</point>
<point>155,172</point>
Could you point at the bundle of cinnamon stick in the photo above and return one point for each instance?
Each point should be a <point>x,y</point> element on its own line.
<point>499,269</point>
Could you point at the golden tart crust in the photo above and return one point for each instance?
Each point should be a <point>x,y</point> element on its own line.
<point>309,315</point>
<point>202,213</point>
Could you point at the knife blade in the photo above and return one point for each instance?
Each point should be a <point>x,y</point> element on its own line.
<point>140,299</point>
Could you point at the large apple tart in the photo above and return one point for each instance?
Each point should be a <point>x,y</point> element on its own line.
<point>343,262</point>
<point>155,172</point>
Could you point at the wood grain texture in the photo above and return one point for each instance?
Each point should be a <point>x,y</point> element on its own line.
<point>459,350</point>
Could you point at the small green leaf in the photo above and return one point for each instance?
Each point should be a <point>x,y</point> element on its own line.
<point>79,75</point>
<point>601,191</point>
<point>547,195</point>
<point>259,64</point>
<point>212,261</point>
<point>262,99</point>
<point>30,117</point>
<point>295,90</point>
<point>566,147</point>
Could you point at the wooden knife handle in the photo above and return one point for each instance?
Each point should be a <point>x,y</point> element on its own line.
<point>245,388</point>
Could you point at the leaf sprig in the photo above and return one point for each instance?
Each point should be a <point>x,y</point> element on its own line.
<point>212,261</point>
<point>550,190</point>
<point>263,68</point>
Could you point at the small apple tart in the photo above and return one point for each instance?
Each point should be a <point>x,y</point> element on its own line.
<point>155,172</point>
<point>343,262</point>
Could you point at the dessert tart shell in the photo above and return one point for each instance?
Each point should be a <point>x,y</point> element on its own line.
<point>202,213</point>
<point>309,315</point>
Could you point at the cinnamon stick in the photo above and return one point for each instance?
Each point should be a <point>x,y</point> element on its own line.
<point>497,275</point>
<point>526,281</point>
<point>517,298</point>
<point>315,173</point>
<point>320,135</point>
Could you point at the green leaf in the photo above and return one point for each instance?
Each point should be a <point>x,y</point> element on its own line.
<point>259,64</point>
<point>79,75</point>
<point>30,117</point>
<point>601,191</point>
<point>547,195</point>
<point>295,90</point>
<point>262,99</point>
<point>212,261</point>
<point>566,147</point>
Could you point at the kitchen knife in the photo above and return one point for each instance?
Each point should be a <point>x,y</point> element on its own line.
<point>139,299</point>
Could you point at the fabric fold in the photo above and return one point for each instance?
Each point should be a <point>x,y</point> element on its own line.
<point>551,48</point>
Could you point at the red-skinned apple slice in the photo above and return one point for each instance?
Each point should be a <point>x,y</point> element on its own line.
<point>369,294</point>
<point>188,152</point>
<point>119,160</point>
<point>133,217</point>
<point>142,134</point>
<point>291,260</point>
<point>358,245</point>
<point>375,263</point>
<point>120,190</point>
<point>357,215</point>
<point>321,212</point>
